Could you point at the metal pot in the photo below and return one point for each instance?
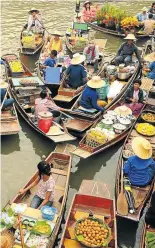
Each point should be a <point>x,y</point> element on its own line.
<point>123,75</point>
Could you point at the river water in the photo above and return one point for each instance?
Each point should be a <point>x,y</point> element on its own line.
<point>22,152</point>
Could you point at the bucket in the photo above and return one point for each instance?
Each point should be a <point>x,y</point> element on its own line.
<point>45,121</point>
<point>48,212</point>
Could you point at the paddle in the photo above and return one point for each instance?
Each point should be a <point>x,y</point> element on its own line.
<point>122,205</point>
<point>21,231</point>
<point>63,113</point>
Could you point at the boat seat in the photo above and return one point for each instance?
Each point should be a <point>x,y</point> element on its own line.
<point>60,172</point>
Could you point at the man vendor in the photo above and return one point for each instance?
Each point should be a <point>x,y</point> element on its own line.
<point>126,51</point>
<point>92,55</point>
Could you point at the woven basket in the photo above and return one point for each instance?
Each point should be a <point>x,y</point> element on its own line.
<point>94,142</point>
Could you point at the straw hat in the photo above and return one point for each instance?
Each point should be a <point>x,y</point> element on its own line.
<point>6,239</point>
<point>3,84</point>
<point>86,3</point>
<point>77,59</point>
<point>96,82</point>
<point>58,33</point>
<point>142,147</point>
<point>123,111</point>
<point>33,10</point>
<point>54,130</point>
<point>150,57</point>
<point>130,37</point>
<point>144,9</point>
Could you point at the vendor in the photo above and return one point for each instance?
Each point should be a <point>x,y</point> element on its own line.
<point>76,73</point>
<point>140,168</point>
<point>87,12</point>
<point>126,51</point>
<point>45,103</point>
<point>56,42</point>
<point>78,18</point>
<point>50,61</point>
<point>92,55</point>
<point>34,21</point>
<point>151,73</point>
<point>152,10</point>
<point>150,214</point>
<point>134,98</point>
<point>7,102</point>
<point>45,193</point>
<point>149,25</point>
<point>143,15</point>
<point>89,96</point>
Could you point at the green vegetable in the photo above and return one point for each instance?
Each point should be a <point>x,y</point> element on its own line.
<point>10,212</point>
<point>80,238</point>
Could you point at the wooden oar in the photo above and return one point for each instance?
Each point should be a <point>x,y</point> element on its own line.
<point>21,231</point>
<point>122,205</point>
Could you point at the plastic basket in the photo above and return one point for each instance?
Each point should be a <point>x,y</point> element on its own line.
<point>46,215</point>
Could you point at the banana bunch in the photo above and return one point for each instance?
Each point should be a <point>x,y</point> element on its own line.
<point>130,21</point>
<point>16,66</point>
<point>99,136</point>
<point>28,41</point>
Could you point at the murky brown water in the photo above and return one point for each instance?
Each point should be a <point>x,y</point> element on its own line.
<point>22,152</point>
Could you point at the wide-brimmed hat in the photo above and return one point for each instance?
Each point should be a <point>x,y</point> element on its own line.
<point>57,33</point>
<point>54,130</point>
<point>142,147</point>
<point>3,84</point>
<point>6,239</point>
<point>123,111</point>
<point>86,3</point>
<point>144,9</point>
<point>96,82</point>
<point>150,57</point>
<point>130,37</point>
<point>33,10</point>
<point>77,59</point>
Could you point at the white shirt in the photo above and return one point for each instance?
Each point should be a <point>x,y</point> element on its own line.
<point>37,22</point>
<point>89,56</point>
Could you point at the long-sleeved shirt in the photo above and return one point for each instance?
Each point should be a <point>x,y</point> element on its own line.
<point>89,56</point>
<point>130,94</point>
<point>139,171</point>
<point>152,72</point>
<point>44,105</point>
<point>89,99</point>
<point>142,17</point>
<point>126,49</point>
<point>37,23</point>
<point>77,76</point>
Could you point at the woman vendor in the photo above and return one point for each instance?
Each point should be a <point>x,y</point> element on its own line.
<point>87,13</point>
<point>77,74</point>
<point>46,184</point>
<point>89,98</point>
<point>134,98</point>
<point>140,168</point>
<point>34,21</point>
<point>56,42</point>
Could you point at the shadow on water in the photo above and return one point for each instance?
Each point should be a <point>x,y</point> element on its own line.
<point>8,141</point>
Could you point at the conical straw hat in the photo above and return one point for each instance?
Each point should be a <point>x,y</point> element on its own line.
<point>58,33</point>
<point>123,111</point>
<point>144,9</point>
<point>96,82</point>
<point>33,10</point>
<point>142,147</point>
<point>54,130</point>
<point>130,37</point>
<point>77,59</point>
<point>6,239</point>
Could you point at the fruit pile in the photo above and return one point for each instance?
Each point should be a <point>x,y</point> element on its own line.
<point>145,129</point>
<point>28,41</point>
<point>16,66</point>
<point>92,233</point>
<point>129,22</point>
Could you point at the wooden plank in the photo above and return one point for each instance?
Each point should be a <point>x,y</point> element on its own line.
<point>78,124</point>
<point>62,138</point>
<point>61,181</point>
<point>59,172</point>
<point>95,188</point>
<point>62,98</point>
<point>57,187</point>
<point>81,153</point>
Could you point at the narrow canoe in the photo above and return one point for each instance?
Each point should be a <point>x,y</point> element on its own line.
<point>92,196</point>
<point>62,163</point>
<point>22,95</point>
<point>9,119</point>
<point>113,32</point>
<point>29,50</point>
<point>141,194</point>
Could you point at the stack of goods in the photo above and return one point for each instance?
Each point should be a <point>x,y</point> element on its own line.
<point>150,239</point>
<point>95,138</point>
<point>92,232</point>
<point>110,16</point>
<point>129,23</point>
<point>31,41</point>
<point>16,66</point>
<point>79,42</point>
<point>28,82</point>
<point>145,129</point>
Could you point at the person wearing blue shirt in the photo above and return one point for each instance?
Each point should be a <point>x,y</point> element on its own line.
<point>140,168</point>
<point>2,62</point>
<point>90,96</point>
<point>76,72</point>
<point>51,60</point>
<point>143,15</point>
<point>151,74</point>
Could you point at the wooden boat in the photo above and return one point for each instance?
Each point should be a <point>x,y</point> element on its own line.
<point>9,119</point>
<point>39,40</point>
<point>113,32</point>
<point>90,198</point>
<point>25,99</point>
<point>61,161</point>
<point>141,194</point>
<point>72,48</point>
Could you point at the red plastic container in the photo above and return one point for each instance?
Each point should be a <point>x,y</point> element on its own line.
<point>45,121</point>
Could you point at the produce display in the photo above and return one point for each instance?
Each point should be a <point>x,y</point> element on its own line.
<point>28,82</point>
<point>37,241</point>
<point>42,227</point>
<point>31,41</point>
<point>79,42</point>
<point>129,22</point>
<point>92,232</point>
<point>94,135</point>
<point>16,66</point>
<point>145,129</point>
<point>7,219</point>
<point>150,239</point>
<point>150,117</point>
